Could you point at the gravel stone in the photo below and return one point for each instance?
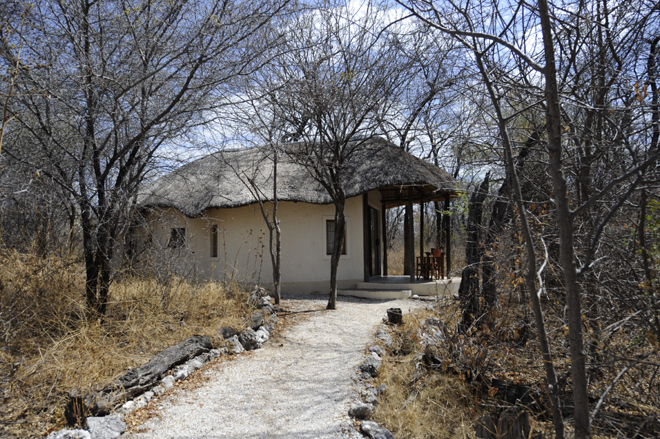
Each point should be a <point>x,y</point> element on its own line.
<point>385,336</point>
<point>158,390</point>
<point>228,332</point>
<point>377,350</point>
<point>361,410</point>
<point>300,387</point>
<point>249,339</point>
<point>375,431</point>
<point>371,398</point>
<point>70,434</point>
<point>168,382</point>
<point>371,365</point>
<point>182,372</point>
<point>106,427</point>
<point>195,363</point>
<point>235,346</point>
<point>128,407</point>
<point>262,335</point>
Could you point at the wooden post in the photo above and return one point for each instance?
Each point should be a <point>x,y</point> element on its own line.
<point>411,233</point>
<point>421,227</point>
<point>366,241</point>
<point>447,232</point>
<point>384,244</point>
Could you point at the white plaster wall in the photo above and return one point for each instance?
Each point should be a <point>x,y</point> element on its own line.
<point>243,244</point>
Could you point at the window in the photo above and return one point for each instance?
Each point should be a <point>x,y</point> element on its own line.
<point>177,238</point>
<point>214,241</point>
<point>330,237</point>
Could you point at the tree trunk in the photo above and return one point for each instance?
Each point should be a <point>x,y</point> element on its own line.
<point>565,223</point>
<point>340,229</point>
<point>496,225</point>
<point>468,292</point>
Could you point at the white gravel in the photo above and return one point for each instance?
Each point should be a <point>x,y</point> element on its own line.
<point>298,386</point>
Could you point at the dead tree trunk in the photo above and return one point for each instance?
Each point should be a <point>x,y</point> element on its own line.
<point>136,381</point>
<point>468,292</point>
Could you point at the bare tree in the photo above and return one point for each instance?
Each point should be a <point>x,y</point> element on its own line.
<point>335,78</point>
<point>581,52</point>
<point>104,85</point>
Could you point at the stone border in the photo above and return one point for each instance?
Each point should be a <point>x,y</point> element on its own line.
<point>369,394</point>
<point>259,327</point>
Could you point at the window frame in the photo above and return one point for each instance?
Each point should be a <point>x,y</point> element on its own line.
<point>213,238</point>
<point>347,238</point>
<point>177,238</point>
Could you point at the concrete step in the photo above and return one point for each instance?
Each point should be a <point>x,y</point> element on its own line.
<point>384,294</point>
<point>443,287</point>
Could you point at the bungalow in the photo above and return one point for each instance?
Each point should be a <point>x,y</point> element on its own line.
<point>213,214</point>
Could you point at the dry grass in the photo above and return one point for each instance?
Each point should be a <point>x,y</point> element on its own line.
<point>447,399</point>
<point>49,347</point>
<point>419,404</point>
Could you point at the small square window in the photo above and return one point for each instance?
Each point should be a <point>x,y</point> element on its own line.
<point>177,237</point>
<point>330,238</point>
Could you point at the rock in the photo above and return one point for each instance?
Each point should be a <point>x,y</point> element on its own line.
<point>167,382</point>
<point>249,339</point>
<point>234,345</point>
<point>195,363</point>
<point>107,427</point>
<point>375,431</point>
<point>377,350</point>
<point>158,390</point>
<point>255,320</point>
<point>266,306</point>
<point>415,296</point>
<point>361,411</point>
<point>147,395</point>
<point>227,332</point>
<point>128,407</point>
<point>262,335</point>
<point>140,402</point>
<point>371,365</point>
<point>383,335</point>
<point>381,389</point>
<point>432,321</point>
<point>205,357</point>
<point>69,434</point>
<point>365,376</point>
<point>181,372</point>
<point>256,295</point>
<point>217,353</point>
<point>371,398</point>
<point>432,331</point>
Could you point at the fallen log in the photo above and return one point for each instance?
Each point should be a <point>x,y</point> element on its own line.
<point>135,381</point>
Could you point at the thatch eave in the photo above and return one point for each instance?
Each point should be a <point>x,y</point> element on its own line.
<point>220,180</point>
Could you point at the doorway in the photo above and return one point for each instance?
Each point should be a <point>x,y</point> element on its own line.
<point>374,241</point>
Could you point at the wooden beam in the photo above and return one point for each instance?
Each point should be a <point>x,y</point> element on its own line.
<point>421,227</point>
<point>447,223</point>
<point>384,243</point>
<point>411,234</point>
<point>366,241</point>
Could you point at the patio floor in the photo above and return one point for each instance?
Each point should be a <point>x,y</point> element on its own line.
<point>421,287</point>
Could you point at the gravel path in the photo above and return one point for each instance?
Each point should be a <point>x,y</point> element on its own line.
<point>298,386</point>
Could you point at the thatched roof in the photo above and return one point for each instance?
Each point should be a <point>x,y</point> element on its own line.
<point>220,180</point>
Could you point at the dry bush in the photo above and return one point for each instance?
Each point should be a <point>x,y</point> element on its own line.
<point>419,403</point>
<point>49,346</point>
